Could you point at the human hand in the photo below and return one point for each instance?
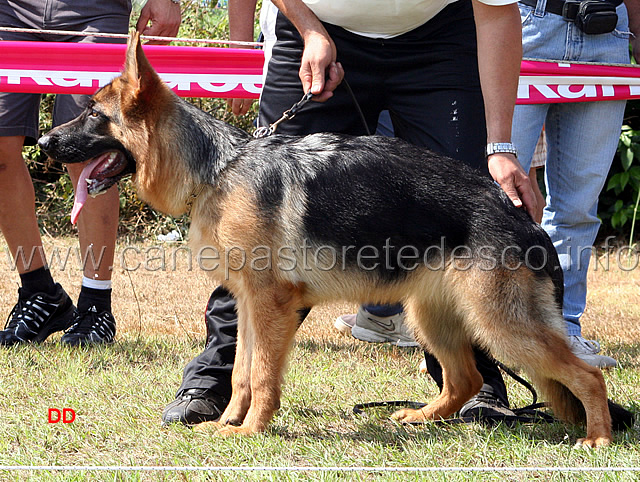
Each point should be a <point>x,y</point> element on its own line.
<point>239,106</point>
<point>319,71</point>
<point>507,171</point>
<point>165,19</point>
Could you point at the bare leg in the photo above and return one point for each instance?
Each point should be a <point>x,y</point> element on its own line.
<point>97,229</point>
<point>18,221</point>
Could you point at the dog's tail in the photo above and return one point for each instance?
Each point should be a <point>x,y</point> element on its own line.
<point>550,261</point>
<point>565,405</point>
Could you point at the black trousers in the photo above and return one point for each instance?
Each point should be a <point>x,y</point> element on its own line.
<point>427,79</point>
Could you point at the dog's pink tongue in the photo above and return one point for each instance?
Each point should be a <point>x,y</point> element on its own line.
<point>81,189</point>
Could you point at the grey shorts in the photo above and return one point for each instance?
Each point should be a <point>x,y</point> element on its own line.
<point>19,113</point>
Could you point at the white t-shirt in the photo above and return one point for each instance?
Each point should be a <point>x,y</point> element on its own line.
<point>382,18</point>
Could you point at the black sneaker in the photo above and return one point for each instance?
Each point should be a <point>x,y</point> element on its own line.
<point>194,406</point>
<point>91,327</point>
<point>486,408</point>
<point>35,317</point>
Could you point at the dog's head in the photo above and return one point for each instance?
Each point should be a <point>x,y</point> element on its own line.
<point>112,132</point>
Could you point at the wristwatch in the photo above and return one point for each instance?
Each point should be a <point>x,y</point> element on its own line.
<point>177,2</point>
<point>500,147</point>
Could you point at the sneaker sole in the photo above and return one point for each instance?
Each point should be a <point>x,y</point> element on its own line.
<point>374,337</point>
<point>85,342</point>
<point>598,361</point>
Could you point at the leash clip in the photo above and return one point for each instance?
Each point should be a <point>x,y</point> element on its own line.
<point>261,132</point>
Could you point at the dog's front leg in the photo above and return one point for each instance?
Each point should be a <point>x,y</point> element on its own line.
<point>238,406</point>
<point>273,320</point>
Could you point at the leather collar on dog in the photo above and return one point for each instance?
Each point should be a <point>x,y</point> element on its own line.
<point>195,192</point>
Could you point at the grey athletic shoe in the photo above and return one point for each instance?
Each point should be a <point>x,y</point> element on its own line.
<point>379,329</point>
<point>35,317</point>
<point>587,351</point>
<point>344,323</point>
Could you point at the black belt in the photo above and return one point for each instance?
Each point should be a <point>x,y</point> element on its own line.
<point>557,6</point>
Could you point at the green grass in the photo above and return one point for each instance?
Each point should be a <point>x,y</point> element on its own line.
<point>119,392</point>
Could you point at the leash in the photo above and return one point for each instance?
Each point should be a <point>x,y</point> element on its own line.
<point>261,132</point>
<point>527,414</point>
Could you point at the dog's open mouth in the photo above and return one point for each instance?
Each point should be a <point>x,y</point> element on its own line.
<point>101,173</point>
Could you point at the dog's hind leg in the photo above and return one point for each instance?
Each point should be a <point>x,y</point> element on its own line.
<point>524,326</point>
<point>271,321</point>
<point>439,331</point>
<point>573,388</point>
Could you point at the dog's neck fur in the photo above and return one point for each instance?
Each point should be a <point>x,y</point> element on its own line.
<point>207,147</point>
<point>214,144</point>
<point>211,145</point>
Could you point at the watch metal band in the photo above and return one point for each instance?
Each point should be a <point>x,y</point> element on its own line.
<point>501,147</point>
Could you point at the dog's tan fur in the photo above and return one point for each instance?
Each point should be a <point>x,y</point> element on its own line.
<point>449,309</point>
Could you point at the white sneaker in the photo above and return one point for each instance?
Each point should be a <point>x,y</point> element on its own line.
<point>382,329</point>
<point>587,351</point>
<point>344,323</point>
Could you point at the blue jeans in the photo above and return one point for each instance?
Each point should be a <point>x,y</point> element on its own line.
<point>581,142</point>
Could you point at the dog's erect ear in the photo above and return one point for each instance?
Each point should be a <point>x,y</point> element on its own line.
<point>131,62</point>
<point>138,72</point>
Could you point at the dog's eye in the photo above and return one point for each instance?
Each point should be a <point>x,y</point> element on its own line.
<point>94,113</point>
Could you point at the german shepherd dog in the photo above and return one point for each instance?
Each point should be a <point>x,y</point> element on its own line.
<point>302,220</point>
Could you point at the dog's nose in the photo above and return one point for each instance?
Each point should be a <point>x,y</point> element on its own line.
<point>45,142</point>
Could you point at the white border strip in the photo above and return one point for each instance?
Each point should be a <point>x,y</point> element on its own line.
<point>126,36</point>
<point>143,468</point>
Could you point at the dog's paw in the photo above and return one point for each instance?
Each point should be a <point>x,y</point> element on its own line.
<point>208,427</point>
<point>593,442</point>
<point>409,415</point>
<point>230,430</point>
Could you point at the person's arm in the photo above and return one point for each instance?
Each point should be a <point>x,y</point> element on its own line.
<point>633,9</point>
<point>241,21</point>
<point>159,18</point>
<point>499,33</point>
<point>319,71</point>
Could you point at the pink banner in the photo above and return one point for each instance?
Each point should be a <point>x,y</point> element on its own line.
<point>68,68</point>
<point>554,82</point>
<point>82,68</point>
